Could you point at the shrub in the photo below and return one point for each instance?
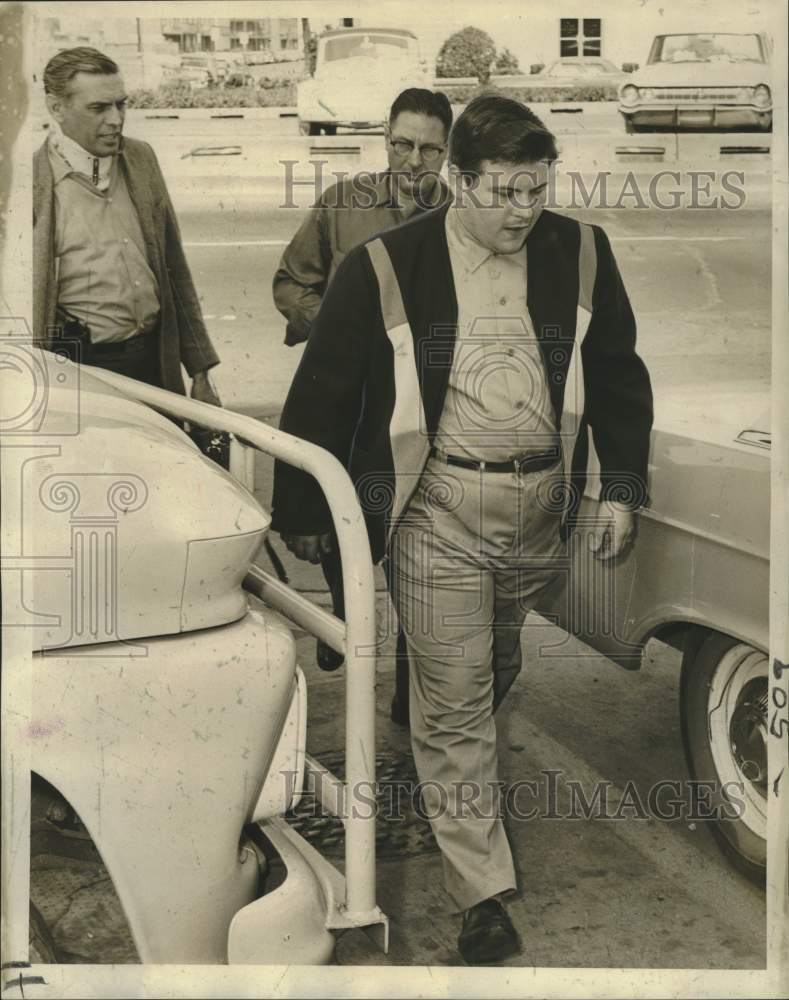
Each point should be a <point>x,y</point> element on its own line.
<point>175,94</point>
<point>506,63</point>
<point>469,52</point>
<point>463,93</point>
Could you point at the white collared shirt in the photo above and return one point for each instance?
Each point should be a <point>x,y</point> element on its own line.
<point>103,274</point>
<point>80,160</point>
<point>497,404</point>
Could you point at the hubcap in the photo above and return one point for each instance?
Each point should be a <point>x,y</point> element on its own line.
<point>748,733</point>
<point>737,727</point>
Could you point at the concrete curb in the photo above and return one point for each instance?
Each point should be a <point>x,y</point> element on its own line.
<point>153,114</point>
<point>142,114</point>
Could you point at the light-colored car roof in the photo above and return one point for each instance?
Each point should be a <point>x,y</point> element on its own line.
<point>334,32</point>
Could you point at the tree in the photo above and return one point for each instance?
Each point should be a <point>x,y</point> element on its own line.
<point>469,52</point>
<point>506,63</point>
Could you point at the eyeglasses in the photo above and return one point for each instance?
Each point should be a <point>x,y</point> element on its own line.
<point>404,149</point>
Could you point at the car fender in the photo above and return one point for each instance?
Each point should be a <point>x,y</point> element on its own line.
<point>162,748</point>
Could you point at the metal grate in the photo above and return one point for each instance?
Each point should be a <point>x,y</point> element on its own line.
<point>401,828</point>
<point>694,94</point>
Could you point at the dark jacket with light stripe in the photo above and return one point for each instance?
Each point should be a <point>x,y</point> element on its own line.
<point>371,384</point>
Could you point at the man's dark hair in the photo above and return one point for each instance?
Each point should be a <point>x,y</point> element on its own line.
<point>499,129</point>
<point>62,68</point>
<point>423,102</point>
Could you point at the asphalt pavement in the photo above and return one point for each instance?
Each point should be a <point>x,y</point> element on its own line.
<point>691,234</point>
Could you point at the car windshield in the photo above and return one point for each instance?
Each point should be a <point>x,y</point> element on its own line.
<point>370,46</point>
<point>706,48</point>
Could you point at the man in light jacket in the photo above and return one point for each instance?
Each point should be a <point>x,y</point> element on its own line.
<point>111,285</point>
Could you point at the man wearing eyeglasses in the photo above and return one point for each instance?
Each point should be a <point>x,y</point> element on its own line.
<point>348,213</point>
<point>438,371</point>
<point>345,215</point>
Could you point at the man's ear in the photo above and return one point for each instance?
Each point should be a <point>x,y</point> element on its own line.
<point>55,107</point>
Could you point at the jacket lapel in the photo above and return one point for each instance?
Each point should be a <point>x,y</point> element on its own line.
<point>44,286</point>
<point>552,301</point>
<point>143,198</point>
<point>435,339</point>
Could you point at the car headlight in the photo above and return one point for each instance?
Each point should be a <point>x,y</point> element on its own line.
<point>629,94</point>
<point>762,96</point>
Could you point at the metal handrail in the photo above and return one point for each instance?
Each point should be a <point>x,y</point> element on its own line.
<point>359,626</point>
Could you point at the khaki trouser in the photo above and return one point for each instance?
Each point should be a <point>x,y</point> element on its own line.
<point>467,561</point>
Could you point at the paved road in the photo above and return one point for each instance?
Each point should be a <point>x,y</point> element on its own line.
<point>698,277</point>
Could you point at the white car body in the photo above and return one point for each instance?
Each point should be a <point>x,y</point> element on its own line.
<point>716,81</point>
<point>167,705</point>
<point>358,74</point>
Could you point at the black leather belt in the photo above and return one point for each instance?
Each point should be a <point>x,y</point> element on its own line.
<point>116,348</point>
<point>524,463</point>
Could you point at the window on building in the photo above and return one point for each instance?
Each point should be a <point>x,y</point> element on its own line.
<point>235,43</point>
<point>580,36</point>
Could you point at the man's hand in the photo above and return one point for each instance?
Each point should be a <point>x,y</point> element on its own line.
<point>616,532</point>
<point>308,547</point>
<point>203,389</point>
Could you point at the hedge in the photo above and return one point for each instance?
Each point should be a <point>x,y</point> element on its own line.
<point>463,93</point>
<point>276,94</point>
<point>270,94</point>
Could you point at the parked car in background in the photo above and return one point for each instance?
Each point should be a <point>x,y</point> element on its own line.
<point>701,81</point>
<point>358,74</point>
<point>254,69</point>
<point>201,69</point>
<point>696,578</point>
<point>168,712</point>
<point>580,70</point>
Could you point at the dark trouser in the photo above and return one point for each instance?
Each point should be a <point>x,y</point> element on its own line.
<point>137,357</point>
<point>332,572</point>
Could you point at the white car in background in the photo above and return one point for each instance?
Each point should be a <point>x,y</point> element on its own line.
<point>701,81</point>
<point>358,73</point>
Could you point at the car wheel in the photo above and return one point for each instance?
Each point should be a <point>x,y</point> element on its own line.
<point>724,692</point>
<point>315,128</point>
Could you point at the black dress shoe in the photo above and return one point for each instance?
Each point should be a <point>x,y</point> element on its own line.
<point>487,934</point>
<point>328,659</point>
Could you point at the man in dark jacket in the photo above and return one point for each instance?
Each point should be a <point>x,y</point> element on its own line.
<point>346,214</point>
<point>111,284</point>
<point>437,371</point>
